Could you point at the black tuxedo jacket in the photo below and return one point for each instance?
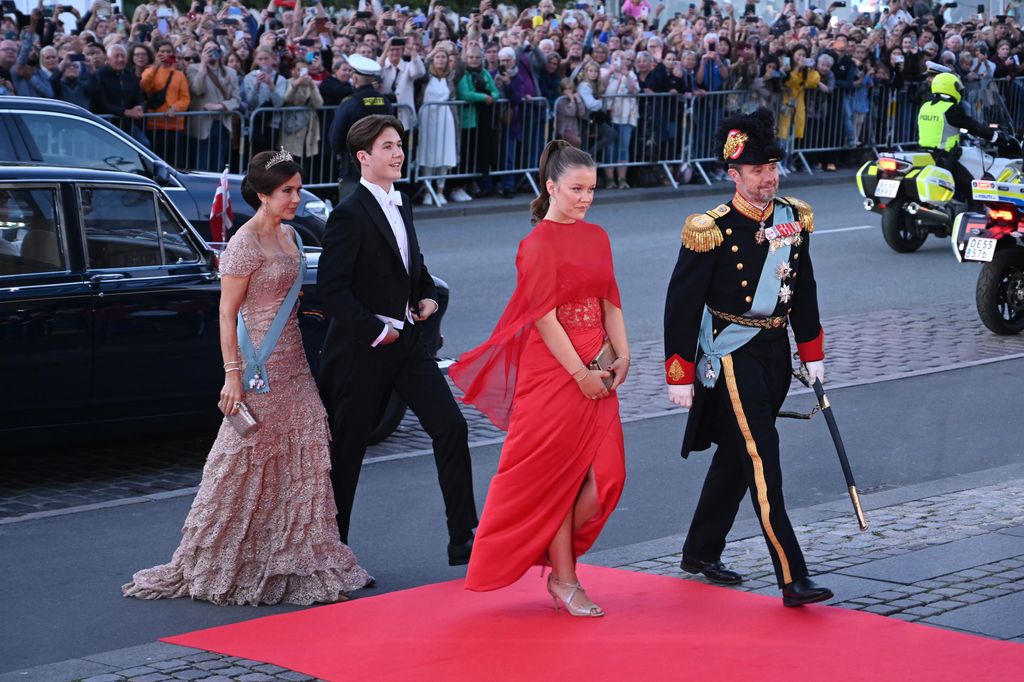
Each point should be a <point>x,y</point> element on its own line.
<point>361,273</point>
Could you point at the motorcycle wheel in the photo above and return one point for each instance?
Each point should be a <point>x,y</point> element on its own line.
<point>899,233</point>
<point>390,418</point>
<point>1000,293</point>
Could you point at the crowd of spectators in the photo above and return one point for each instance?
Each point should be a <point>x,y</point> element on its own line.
<point>222,57</point>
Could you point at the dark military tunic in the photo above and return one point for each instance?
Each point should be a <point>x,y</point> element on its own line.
<point>719,266</point>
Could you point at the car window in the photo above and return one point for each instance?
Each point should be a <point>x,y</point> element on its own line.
<point>67,141</point>
<point>177,248</point>
<point>30,240</point>
<point>121,228</point>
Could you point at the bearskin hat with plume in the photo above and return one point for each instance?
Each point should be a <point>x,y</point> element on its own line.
<point>748,139</point>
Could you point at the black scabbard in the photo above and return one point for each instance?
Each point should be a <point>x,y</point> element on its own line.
<point>851,485</point>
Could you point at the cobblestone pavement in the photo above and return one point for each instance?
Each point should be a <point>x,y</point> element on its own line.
<point>950,560</point>
<point>861,348</point>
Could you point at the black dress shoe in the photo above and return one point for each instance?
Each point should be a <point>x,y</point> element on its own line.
<point>715,571</point>
<point>804,591</point>
<point>458,553</point>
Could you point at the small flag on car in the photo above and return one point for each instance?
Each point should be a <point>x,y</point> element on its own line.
<point>220,213</point>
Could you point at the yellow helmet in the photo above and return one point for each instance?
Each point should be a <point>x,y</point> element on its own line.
<point>948,84</point>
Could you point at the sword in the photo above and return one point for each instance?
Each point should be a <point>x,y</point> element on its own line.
<point>844,462</point>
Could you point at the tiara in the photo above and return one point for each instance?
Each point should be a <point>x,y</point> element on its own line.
<point>278,157</point>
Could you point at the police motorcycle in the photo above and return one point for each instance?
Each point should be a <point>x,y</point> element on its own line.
<point>995,238</point>
<point>914,196</point>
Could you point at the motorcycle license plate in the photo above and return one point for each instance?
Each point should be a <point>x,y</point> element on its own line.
<point>887,189</point>
<point>980,249</point>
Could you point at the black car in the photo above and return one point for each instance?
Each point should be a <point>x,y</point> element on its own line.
<point>109,309</point>
<point>38,131</point>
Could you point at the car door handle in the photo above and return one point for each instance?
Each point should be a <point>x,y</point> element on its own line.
<point>107,277</point>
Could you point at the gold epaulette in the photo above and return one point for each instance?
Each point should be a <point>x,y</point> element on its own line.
<point>701,232</point>
<point>804,210</point>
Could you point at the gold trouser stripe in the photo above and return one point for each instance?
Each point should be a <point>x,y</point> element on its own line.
<point>759,483</point>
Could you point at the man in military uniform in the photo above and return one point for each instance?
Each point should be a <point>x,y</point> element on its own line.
<point>366,99</point>
<point>743,275</point>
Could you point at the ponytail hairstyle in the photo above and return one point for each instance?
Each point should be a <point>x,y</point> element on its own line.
<point>558,157</point>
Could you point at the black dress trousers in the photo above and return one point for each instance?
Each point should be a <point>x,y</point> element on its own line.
<point>355,394</point>
<point>747,398</point>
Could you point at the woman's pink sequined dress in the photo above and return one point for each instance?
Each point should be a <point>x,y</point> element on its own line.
<point>262,528</point>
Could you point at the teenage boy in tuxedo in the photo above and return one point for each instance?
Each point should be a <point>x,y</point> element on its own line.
<point>373,282</point>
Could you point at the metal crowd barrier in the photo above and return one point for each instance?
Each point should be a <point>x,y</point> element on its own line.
<point>1012,92</point>
<point>703,114</point>
<point>502,140</point>
<point>659,138</point>
<point>303,132</point>
<point>506,140</point>
<point>206,141</point>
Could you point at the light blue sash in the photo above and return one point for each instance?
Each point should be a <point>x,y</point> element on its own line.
<point>255,377</point>
<point>735,336</point>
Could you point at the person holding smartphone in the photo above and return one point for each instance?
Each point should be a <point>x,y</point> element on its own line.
<point>167,92</point>
<point>214,89</point>
<point>264,87</point>
<point>401,67</point>
<point>69,85</point>
<point>301,130</point>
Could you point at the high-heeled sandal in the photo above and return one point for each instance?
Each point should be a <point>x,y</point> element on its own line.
<point>592,611</point>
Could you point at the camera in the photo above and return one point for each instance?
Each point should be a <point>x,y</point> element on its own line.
<point>216,53</point>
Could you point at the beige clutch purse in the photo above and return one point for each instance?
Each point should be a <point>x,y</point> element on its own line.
<point>243,421</point>
<point>605,357</point>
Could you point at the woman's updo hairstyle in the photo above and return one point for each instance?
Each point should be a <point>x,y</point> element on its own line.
<point>267,171</point>
<point>558,157</point>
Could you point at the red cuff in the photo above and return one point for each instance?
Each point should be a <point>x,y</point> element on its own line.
<point>678,372</point>
<point>814,350</point>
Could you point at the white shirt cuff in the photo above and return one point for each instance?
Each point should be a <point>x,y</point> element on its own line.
<point>381,336</point>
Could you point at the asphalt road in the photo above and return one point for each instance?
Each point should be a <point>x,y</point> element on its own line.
<point>60,594</point>
<point>856,271</point>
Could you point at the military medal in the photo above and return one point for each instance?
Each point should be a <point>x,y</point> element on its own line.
<point>783,271</point>
<point>709,371</point>
<point>785,293</point>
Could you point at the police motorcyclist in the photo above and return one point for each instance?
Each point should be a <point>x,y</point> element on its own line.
<point>939,122</point>
<point>363,101</point>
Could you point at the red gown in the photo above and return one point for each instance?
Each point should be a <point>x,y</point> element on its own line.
<point>555,433</point>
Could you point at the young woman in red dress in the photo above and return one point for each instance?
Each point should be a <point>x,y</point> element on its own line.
<point>562,467</point>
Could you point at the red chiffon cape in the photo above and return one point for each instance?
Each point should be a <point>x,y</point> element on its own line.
<point>555,434</point>
<point>556,264</point>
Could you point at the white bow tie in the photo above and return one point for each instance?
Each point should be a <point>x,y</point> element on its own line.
<point>394,197</point>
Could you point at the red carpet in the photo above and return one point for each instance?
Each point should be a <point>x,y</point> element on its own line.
<point>657,628</point>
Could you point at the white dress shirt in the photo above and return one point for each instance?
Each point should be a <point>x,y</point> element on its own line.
<point>389,202</point>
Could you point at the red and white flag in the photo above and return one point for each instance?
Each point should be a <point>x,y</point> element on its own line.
<point>220,213</point>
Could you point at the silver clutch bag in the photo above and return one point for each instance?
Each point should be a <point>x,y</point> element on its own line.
<point>605,357</point>
<point>243,421</point>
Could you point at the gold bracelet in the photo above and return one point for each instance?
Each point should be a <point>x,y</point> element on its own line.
<point>233,369</point>
<point>232,362</point>
<point>581,369</point>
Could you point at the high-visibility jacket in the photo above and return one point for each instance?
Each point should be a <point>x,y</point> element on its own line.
<point>940,120</point>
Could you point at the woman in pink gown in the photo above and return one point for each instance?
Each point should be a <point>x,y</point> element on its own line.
<point>262,528</point>
<point>562,466</point>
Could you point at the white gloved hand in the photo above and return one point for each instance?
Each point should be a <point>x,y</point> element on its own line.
<point>816,370</point>
<point>681,395</point>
